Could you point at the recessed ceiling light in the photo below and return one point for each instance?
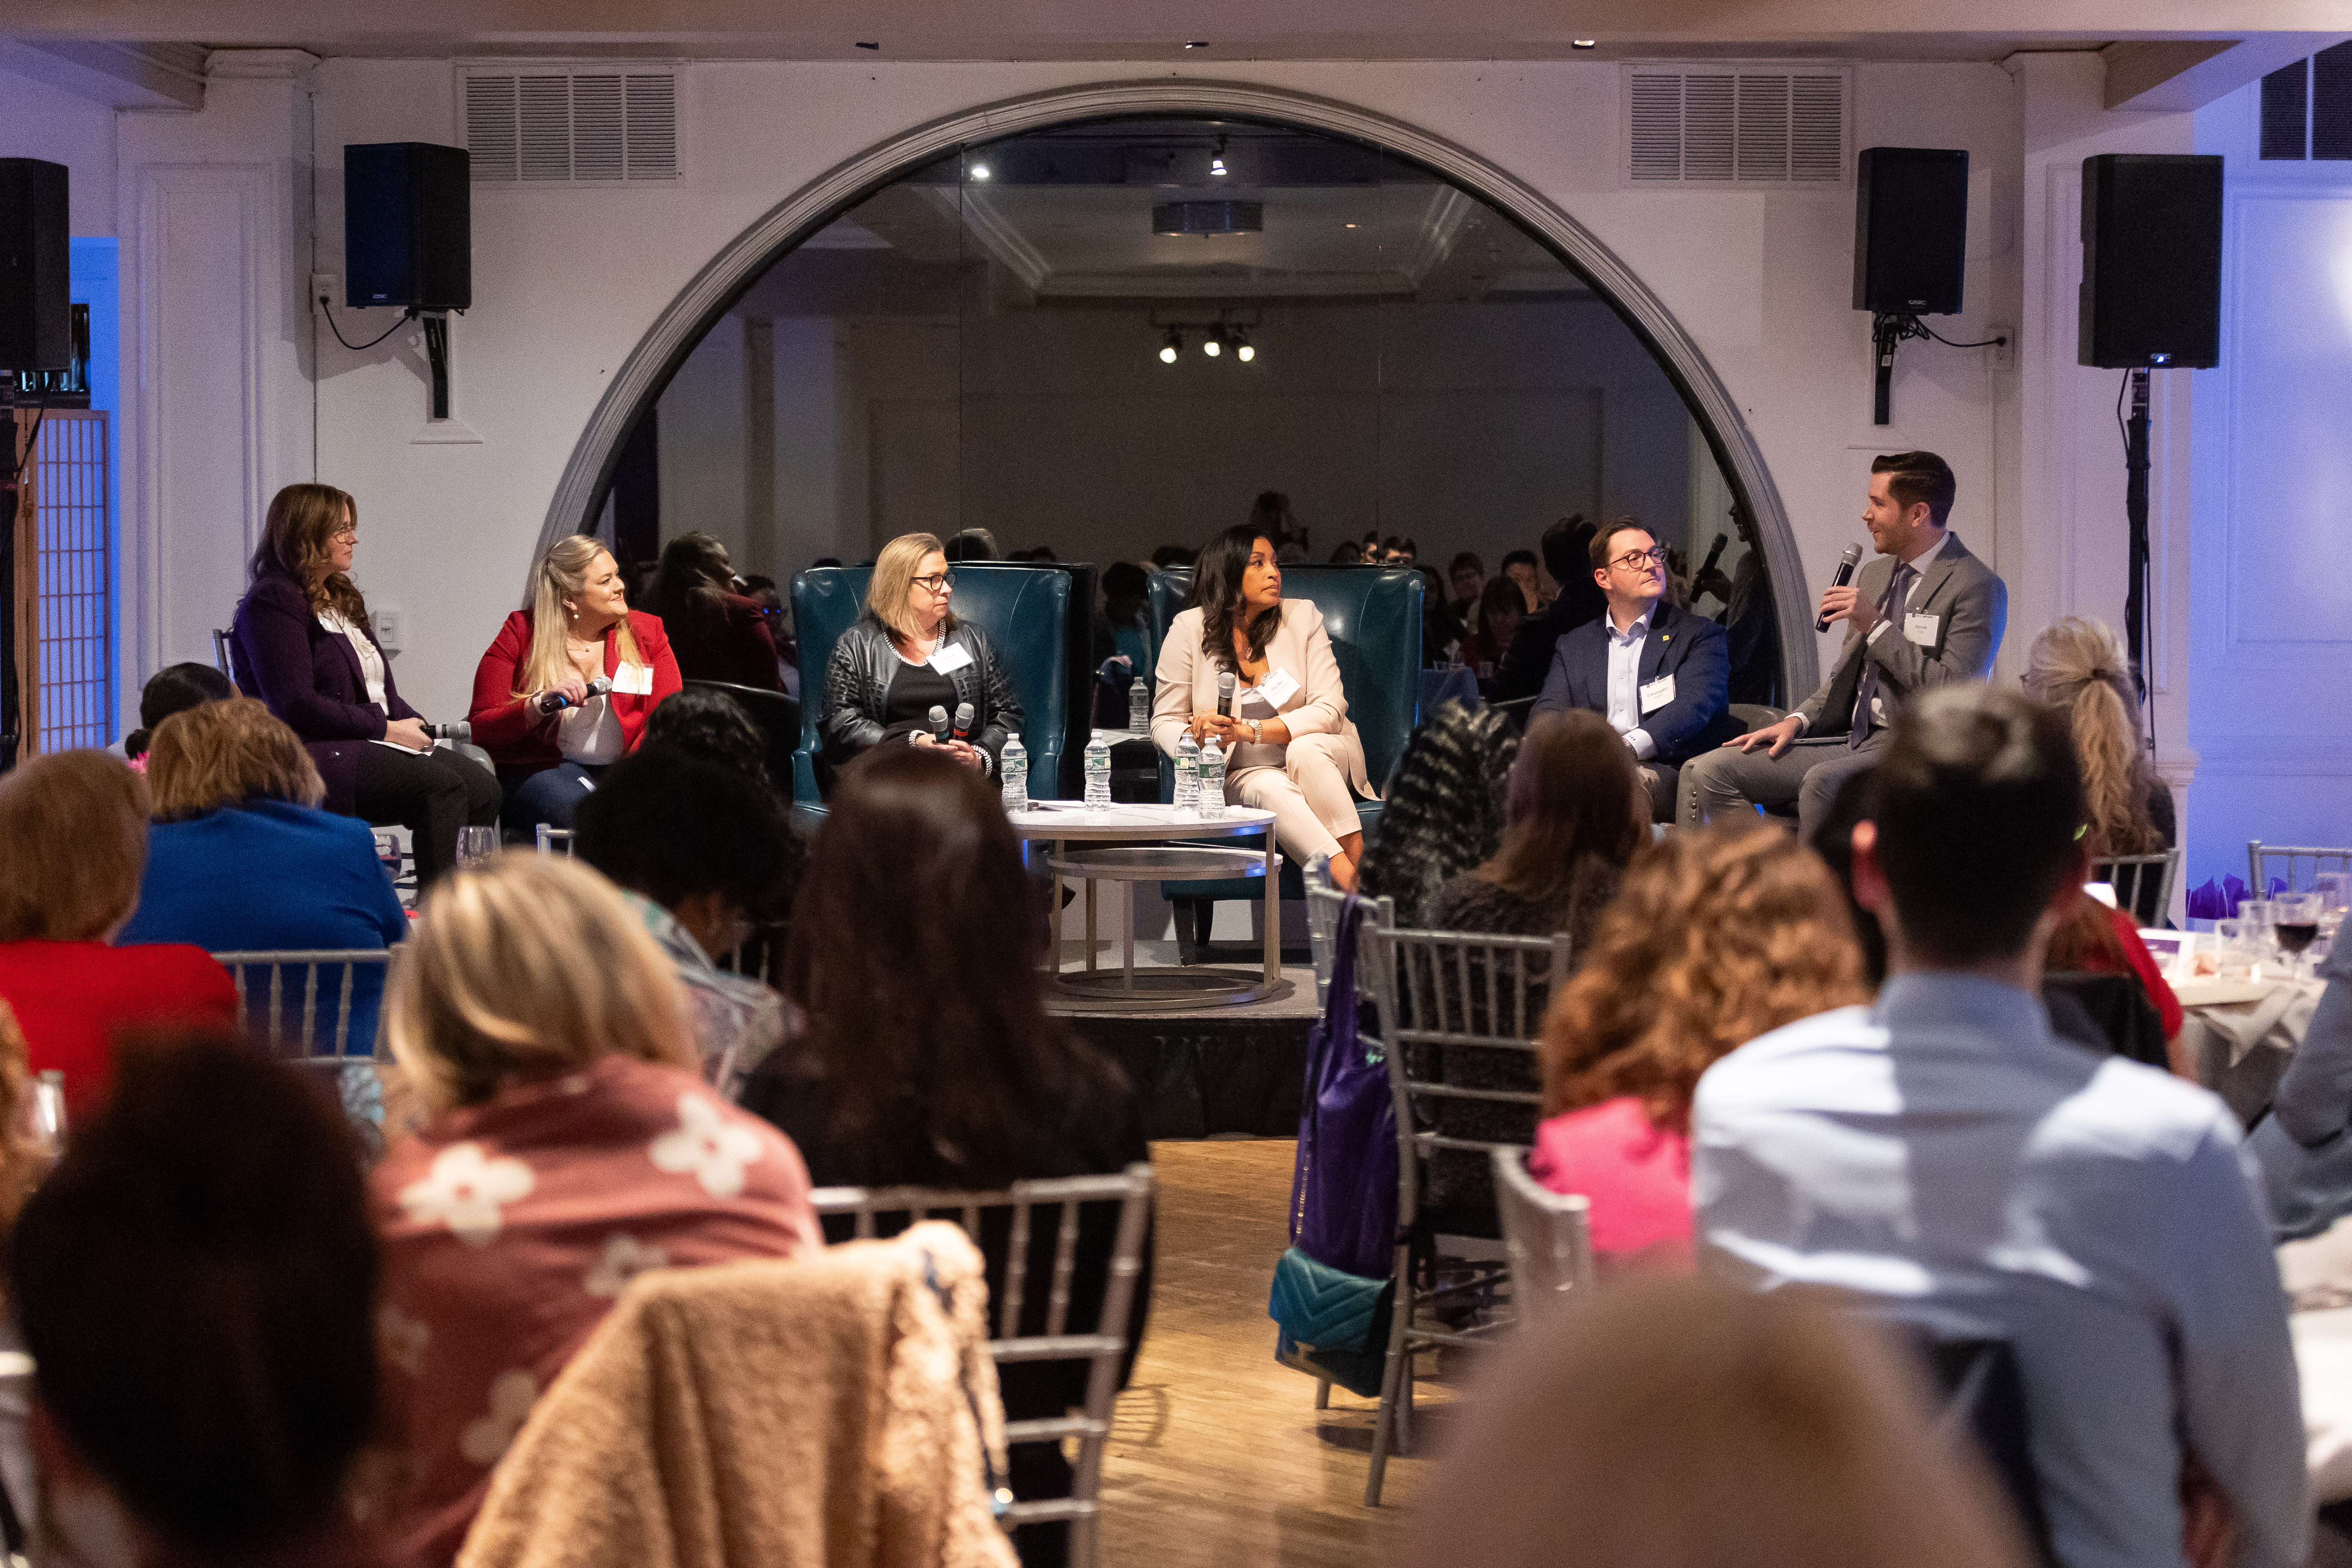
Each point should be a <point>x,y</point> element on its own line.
<point>1583,43</point>
<point>979,170</point>
<point>1352,226</point>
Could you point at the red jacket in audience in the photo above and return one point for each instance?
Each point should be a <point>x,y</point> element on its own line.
<point>70,996</point>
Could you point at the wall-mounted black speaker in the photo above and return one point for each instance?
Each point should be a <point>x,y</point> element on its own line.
<point>35,256</point>
<point>2152,260</point>
<point>1910,230</point>
<point>408,228</point>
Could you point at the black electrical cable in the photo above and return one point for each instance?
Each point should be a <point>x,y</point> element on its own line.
<point>328,312</point>
<point>17,467</point>
<point>2122,428</point>
<point>1930,332</point>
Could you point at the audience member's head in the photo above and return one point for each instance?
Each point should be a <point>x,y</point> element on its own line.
<point>822,561</point>
<point>524,970</point>
<point>705,843</point>
<point>692,581</point>
<point>1346,552</point>
<point>1169,555</point>
<point>2079,666</point>
<point>1444,811</point>
<point>228,753</point>
<point>972,544</point>
<point>174,688</point>
<point>196,1282</point>
<point>1716,936</point>
<point>1567,549</point>
<point>1574,797</point>
<point>1466,575</point>
<point>1502,605</point>
<point>73,838</point>
<point>1832,840</point>
<point>1397,550</point>
<point>914,953</point>
<point>1684,1424</point>
<point>1270,513</point>
<point>710,725</point>
<point>1126,589</point>
<point>1972,846</point>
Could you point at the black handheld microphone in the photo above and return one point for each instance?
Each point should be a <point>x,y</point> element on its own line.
<point>555,701</point>
<point>1713,555</point>
<point>938,722</point>
<point>1846,563</point>
<point>461,730</point>
<point>962,720</point>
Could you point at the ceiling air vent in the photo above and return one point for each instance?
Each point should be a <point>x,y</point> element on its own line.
<point>535,127</point>
<point>1740,126</point>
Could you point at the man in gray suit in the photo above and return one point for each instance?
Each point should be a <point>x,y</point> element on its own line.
<point>1928,614</point>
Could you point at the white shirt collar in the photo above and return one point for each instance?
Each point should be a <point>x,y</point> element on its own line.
<point>1920,562</point>
<point>1641,627</point>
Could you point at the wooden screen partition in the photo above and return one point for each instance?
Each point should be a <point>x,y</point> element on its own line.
<point>74,668</point>
<point>21,715</point>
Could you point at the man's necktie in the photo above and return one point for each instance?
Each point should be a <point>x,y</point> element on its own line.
<point>1890,606</point>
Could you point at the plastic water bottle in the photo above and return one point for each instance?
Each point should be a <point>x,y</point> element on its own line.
<point>1097,772</point>
<point>1187,773</point>
<point>1014,767</point>
<point>1213,779</point>
<point>1139,706</point>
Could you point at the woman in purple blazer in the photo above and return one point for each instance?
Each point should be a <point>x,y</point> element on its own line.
<point>303,646</point>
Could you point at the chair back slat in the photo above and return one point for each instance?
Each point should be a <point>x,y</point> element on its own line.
<point>2134,877</point>
<point>1103,1350</point>
<point>551,839</point>
<point>280,1005</point>
<point>2259,856</point>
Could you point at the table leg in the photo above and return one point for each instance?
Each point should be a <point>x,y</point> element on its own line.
<point>1272,913</point>
<point>1126,936</point>
<point>1054,914</point>
<point>1090,925</point>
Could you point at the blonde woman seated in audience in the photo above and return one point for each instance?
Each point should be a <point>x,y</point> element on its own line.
<point>2078,665</point>
<point>73,844</point>
<point>1675,1424</point>
<point>568,1146</point>
<point>1717,936</point>
<point>197,1287</point>
<point>241,860</point>
<point>927,1057</point>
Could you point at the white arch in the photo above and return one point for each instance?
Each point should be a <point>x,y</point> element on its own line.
<point>719,284</point>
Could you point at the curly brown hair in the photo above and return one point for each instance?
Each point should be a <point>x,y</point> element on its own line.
<point>1717,937</point>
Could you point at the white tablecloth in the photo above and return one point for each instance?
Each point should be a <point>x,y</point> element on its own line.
<point>2241,1039</point>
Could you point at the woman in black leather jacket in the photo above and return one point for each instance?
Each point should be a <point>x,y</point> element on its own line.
<point>908,654</point>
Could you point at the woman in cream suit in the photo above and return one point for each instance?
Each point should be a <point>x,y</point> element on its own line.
<point>1289,748</point>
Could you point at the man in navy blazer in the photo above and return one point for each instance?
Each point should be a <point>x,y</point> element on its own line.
<point>1659,675</point>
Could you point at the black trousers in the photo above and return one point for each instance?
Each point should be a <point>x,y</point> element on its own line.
<point>432,795</point>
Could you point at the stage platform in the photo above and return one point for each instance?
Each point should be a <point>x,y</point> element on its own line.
<point>1233,1069</point>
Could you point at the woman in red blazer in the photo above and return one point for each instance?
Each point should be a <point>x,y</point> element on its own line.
<point>532,709</point>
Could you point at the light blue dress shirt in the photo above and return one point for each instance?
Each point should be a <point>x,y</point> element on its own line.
<point>2305,1144</point>
<point>1625,680</point>
<point>1941,1151</point>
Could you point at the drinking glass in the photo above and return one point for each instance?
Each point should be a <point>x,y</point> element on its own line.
<point>2295,924</point>
<point>2335,889</point>
<point>476,847</point>
<point>2255,915</point>
<point>2233,955</point>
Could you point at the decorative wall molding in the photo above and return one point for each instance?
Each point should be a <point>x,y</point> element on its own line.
<point>715,288</point>
<point>258,65</point>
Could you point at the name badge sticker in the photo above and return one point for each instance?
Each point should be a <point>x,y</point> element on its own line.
<point>949,660</point>
<point>1278,687</point>
<point>634,680</point>
<point>1921,630</point>
<point>1657,694</point>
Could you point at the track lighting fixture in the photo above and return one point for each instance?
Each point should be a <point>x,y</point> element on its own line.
<point>1173,346</point>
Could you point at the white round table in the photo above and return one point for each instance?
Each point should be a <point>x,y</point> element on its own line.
<point>1136,843</point>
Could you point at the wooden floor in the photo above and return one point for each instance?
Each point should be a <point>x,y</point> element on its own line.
<point>1218,1455</point>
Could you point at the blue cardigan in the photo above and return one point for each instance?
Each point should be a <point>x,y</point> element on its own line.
<point>271,876</point>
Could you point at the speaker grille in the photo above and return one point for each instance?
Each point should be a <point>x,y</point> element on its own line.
<point>2331,102</point>
<point>1735,125</point>
<point>575,127</point>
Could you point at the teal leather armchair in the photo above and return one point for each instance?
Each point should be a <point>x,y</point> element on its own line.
<point>1373,617</point>
<point>1031,613</point>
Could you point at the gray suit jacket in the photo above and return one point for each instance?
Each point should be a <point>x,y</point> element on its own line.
<point>1970,606</point>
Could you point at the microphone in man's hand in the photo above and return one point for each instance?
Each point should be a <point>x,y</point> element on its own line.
<point>939,717</point>
<point>1846,563</point>
<point>1225,689</point>
<point>555,701</point>
<point>962,720</point>
<point>1713,555</point>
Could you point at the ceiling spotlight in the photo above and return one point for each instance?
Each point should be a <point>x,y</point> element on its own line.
<point>1172,347</point>
<point>1583,43</point>
<point>1217,163</point>
<point>1214,344</point>
<point>1244,352</point>
<point>979,170</point>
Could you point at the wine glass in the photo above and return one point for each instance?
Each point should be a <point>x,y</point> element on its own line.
<point>476,847</point>
<point>2294,923</point>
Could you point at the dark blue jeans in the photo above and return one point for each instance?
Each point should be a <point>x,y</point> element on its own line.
<point>546,794</point>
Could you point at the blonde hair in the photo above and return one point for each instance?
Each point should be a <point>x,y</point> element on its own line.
<point>225,754</point>
<point>1686,1423</point>
<point>23,1163</point>
<point>2078,664</point>
<point>73,840</point>
<point>893,584</point>
<point>563,575</point>
<point>298,540</point>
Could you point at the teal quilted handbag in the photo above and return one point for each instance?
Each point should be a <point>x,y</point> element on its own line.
<point>1334,1324</point>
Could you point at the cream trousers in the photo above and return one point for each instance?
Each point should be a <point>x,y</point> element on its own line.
<point>1313,807</point>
